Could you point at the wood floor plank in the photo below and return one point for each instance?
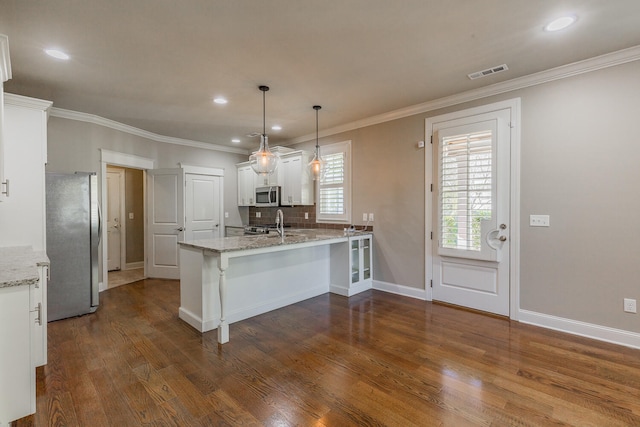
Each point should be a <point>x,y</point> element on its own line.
<point>374,359</point>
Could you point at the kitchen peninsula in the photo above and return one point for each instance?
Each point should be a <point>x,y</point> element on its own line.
<point>228,279</point>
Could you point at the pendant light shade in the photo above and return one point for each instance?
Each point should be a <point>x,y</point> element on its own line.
<point>263,161</point>
<point>317,165</point>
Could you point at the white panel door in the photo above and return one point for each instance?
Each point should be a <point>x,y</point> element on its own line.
<point>471,202</point>
<point>165,222</point>
<point>115,183</point>
<point>203,207</point>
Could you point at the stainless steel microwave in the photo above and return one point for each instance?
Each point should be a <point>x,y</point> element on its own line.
<point>268,196</point>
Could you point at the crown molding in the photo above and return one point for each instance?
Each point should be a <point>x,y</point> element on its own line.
<point>112,124</point>
<point>586,66</point>
<point>27,102</point>
<point>5,61</point>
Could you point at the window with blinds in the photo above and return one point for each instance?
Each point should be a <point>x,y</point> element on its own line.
<point>333,189</point>
<point>466,184</point>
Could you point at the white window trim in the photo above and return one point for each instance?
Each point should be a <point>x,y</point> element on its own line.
<point>344,146</point>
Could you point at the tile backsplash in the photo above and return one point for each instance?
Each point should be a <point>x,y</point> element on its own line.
<point>293,216</point>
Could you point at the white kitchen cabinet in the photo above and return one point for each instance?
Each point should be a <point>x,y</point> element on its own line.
<point>295,180</point>
<point>351,265</point>
<point>23,329</point>
<point>22,214</point>
<point>267,180</point>
<point>17,382</point>
<point>361,261</point>
<point>38,307</point>
<point>246,185</point>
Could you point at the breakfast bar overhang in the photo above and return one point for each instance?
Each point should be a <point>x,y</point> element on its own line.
<point>225,280</point>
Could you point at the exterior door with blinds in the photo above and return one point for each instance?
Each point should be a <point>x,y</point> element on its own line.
<point>471,203</point>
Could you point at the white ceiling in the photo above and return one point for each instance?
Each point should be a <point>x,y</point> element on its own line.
<point>157,64</point>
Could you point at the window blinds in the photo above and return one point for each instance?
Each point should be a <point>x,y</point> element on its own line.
<point>331,187</point>
<point>466,184</point>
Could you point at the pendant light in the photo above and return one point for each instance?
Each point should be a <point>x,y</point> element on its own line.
<point>263,162</point>
<point>317,165</point>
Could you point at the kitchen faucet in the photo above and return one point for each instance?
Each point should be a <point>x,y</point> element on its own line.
<point>280,224</point>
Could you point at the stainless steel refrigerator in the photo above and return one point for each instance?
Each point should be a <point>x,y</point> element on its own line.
<point>73,235</point>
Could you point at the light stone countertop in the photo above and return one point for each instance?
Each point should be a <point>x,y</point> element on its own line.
<point>18,265</point>
<point>292,236</point>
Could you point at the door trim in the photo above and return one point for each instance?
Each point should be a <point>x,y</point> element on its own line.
<point>121,214</point>
<point>514,209</point>
<point>114,158</point>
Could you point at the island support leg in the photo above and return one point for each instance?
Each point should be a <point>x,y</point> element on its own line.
<point>223,328</point>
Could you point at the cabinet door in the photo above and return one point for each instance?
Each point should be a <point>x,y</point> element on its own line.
<point>23,213</point>
<point>291,191</point>
<point>38,305</point>
<point>17,388</point>
<point>246,186</point>
<point>355,260</point>
<point>365,260</point>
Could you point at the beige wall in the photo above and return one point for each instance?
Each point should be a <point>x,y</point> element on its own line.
<point>580,149</point>
<point>134,203</point>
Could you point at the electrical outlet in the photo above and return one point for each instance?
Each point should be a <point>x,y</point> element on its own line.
<point>629,305</point>
<point>258,214</point>
<point>226,214</point>
<point>306,215</point>
<point>539,220</point>
<point>370,217</point>
<point>364,216</point>
<point>130,215</point>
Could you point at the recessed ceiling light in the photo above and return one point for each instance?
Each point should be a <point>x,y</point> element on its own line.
<point>235,140</point>
<point>276,127</point>
<point>58,54</point>
<point>560,23</point>
<point>220,100</point>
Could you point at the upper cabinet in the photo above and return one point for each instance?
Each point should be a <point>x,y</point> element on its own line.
<point>5,74</point>
<point>246,185</point>
<point>292,175</point>
<point>22,214</point>
<point>295,180</point>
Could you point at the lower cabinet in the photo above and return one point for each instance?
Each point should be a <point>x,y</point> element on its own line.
<point>23,334</point>
<point>361,256</point>
<point>351,265</point>
<point>17,372</point>
<point>38,301</point>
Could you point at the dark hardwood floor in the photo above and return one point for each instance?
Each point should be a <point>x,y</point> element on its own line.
<point>370,360</point>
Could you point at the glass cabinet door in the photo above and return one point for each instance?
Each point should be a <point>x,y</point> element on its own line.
<point>355,260</point>
<point>366,258</point>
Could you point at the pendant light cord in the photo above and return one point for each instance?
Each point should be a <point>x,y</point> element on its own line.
<point>264,109</point>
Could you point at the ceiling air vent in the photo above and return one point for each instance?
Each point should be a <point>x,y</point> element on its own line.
<point>488,72</point>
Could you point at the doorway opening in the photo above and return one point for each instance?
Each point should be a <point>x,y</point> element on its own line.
<point>137,166</point>
<point>124,221</point>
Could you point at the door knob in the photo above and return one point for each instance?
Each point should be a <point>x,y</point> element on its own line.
<point>180,229</point>
<point>503,238</point>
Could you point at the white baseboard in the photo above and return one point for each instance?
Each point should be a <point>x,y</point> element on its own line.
<point>576,327</point>
<point>101,287</point>
<point>352,290</point>
<point>406,291</point>
<point>134,265</point>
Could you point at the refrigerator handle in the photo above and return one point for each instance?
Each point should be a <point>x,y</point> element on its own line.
<point>99,223</point>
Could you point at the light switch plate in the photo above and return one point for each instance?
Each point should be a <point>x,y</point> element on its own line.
<point>539,220</point>
<point>371,217</point>
<point>364,216</point>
